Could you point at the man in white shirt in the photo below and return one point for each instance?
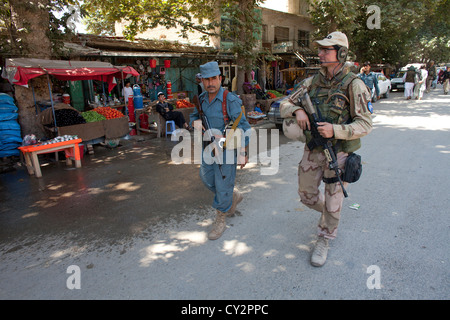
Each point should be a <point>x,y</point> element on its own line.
<point>127,91</point>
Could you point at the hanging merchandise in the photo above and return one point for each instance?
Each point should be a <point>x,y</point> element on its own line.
<point>167,63</point>
<point>169,90</point>
<point>152,63</point>
<point>141,69</point>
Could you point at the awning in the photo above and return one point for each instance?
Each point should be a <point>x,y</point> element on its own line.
<point>20,70</point>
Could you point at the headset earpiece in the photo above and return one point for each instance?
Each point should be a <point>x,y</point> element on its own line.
<point>342,54</point>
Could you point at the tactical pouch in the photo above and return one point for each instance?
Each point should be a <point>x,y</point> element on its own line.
<point>353,168</point>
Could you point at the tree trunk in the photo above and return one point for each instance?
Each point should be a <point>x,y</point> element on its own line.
<point>240,79</point>
<point>32,17</point>
<point>242,62</point>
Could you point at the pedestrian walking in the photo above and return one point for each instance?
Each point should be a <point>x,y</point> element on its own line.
<point>219,107</point>
<point>371,81</point>
<point>409,78</point>
<point>446,80</point>
<point>431,69</point>
<point>343,101</point>
<point>421,83</point>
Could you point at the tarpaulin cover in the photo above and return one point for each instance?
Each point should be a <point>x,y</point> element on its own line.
<point>20,70</point>
<point>10,137</point>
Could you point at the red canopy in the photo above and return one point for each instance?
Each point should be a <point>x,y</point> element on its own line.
<point>20,70</point>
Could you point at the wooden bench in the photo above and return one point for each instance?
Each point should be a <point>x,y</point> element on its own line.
<point>70,147</point>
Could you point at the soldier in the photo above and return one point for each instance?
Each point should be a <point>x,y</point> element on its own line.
<point>342,101</point>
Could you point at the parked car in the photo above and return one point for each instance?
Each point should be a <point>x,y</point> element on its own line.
<point>384,84</point>
<point>397,82</point>
<point>274,115</point>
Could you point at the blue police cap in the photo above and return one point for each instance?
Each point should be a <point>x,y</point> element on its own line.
<point>209,69</point>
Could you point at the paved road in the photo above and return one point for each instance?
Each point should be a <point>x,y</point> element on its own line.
<point>133,225</point>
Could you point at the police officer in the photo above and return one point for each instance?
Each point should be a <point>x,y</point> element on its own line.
<point>219,176</point>
<point>370,79</point>
<point>342,101</point>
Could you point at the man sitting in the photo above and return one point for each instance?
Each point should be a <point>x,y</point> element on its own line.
<point>165,109</point>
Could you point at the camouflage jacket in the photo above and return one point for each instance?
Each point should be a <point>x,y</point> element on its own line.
<point>358,95</point>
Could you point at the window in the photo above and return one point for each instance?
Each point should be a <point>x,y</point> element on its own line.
<point>281,34</point>
<point>303,38</point>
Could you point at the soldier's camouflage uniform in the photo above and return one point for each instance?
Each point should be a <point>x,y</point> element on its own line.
<point>313,166</point>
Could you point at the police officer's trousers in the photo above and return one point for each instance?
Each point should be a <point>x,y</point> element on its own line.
<point>312,168</point>
<point>211,176</point>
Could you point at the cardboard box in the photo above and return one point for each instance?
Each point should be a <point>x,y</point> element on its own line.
<point>110,129</point>
<point>116,128</point>
<point>84,131</point>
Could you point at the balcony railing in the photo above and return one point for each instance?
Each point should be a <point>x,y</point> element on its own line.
<point>288,46</point>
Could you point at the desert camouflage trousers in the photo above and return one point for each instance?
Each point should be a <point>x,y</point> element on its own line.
<point>311,169</point>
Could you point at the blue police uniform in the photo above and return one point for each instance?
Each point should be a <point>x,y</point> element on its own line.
<point>371,81</point>
<point>210,173</point>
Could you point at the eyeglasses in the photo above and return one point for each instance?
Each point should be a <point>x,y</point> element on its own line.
<point>325,50</point>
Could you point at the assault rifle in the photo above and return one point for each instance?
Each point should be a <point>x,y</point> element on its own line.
<point>212,138</point>
<point>318,140</point>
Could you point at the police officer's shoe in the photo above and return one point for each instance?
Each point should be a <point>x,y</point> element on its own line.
<point>218,227</point>
<point>319,255</point>
<point>237,198</point>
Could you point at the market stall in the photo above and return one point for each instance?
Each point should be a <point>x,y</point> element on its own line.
<point>20,71</point>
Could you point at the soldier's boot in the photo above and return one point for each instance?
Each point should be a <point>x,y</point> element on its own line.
<point>218,227</point>
<point>319,255</point>
<point>237,198</point>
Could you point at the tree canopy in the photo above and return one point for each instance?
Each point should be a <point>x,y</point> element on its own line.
<point>140,15</point>
<point>409,31</point>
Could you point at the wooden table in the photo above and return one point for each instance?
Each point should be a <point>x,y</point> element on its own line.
<point>31,153</point>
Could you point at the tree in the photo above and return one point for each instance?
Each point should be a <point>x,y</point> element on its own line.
<point>141,15</point>
<point>31,29</point>
<point>433,39</point>
<point>333,15</point>
<point>243,31</point>
<point>203,16</point>
<point>409,31</point>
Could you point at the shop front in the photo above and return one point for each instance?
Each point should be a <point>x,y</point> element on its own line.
<point>58,115</point>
